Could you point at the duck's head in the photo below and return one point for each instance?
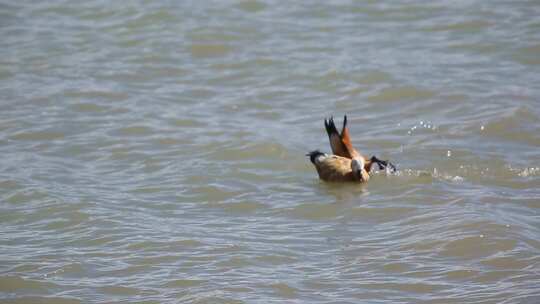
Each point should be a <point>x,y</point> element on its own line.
<point>357,166</point>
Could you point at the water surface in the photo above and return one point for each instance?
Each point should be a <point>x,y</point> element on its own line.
<point>153,152</point>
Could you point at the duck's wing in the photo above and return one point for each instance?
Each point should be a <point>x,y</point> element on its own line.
<point>346,140</point>
<point>336,143</point>
<point>341,144</point>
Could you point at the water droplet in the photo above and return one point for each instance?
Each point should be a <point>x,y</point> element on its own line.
<point>457,179</point>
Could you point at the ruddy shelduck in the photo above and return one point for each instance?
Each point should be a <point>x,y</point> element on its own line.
<point>347,164</point>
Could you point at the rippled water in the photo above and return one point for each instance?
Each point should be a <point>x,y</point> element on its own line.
<point>154,152</point>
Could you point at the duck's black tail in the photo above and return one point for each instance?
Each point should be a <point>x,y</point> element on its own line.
<point>313,155</point>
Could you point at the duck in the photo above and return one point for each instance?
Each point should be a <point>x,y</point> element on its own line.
<point>346,164</point>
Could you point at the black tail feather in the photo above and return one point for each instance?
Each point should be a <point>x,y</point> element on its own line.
<point>313,155</point>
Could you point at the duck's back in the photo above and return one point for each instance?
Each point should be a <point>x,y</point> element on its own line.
<point>333,168</point>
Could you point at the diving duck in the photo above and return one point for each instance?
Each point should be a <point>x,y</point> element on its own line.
<point>346,164</point>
